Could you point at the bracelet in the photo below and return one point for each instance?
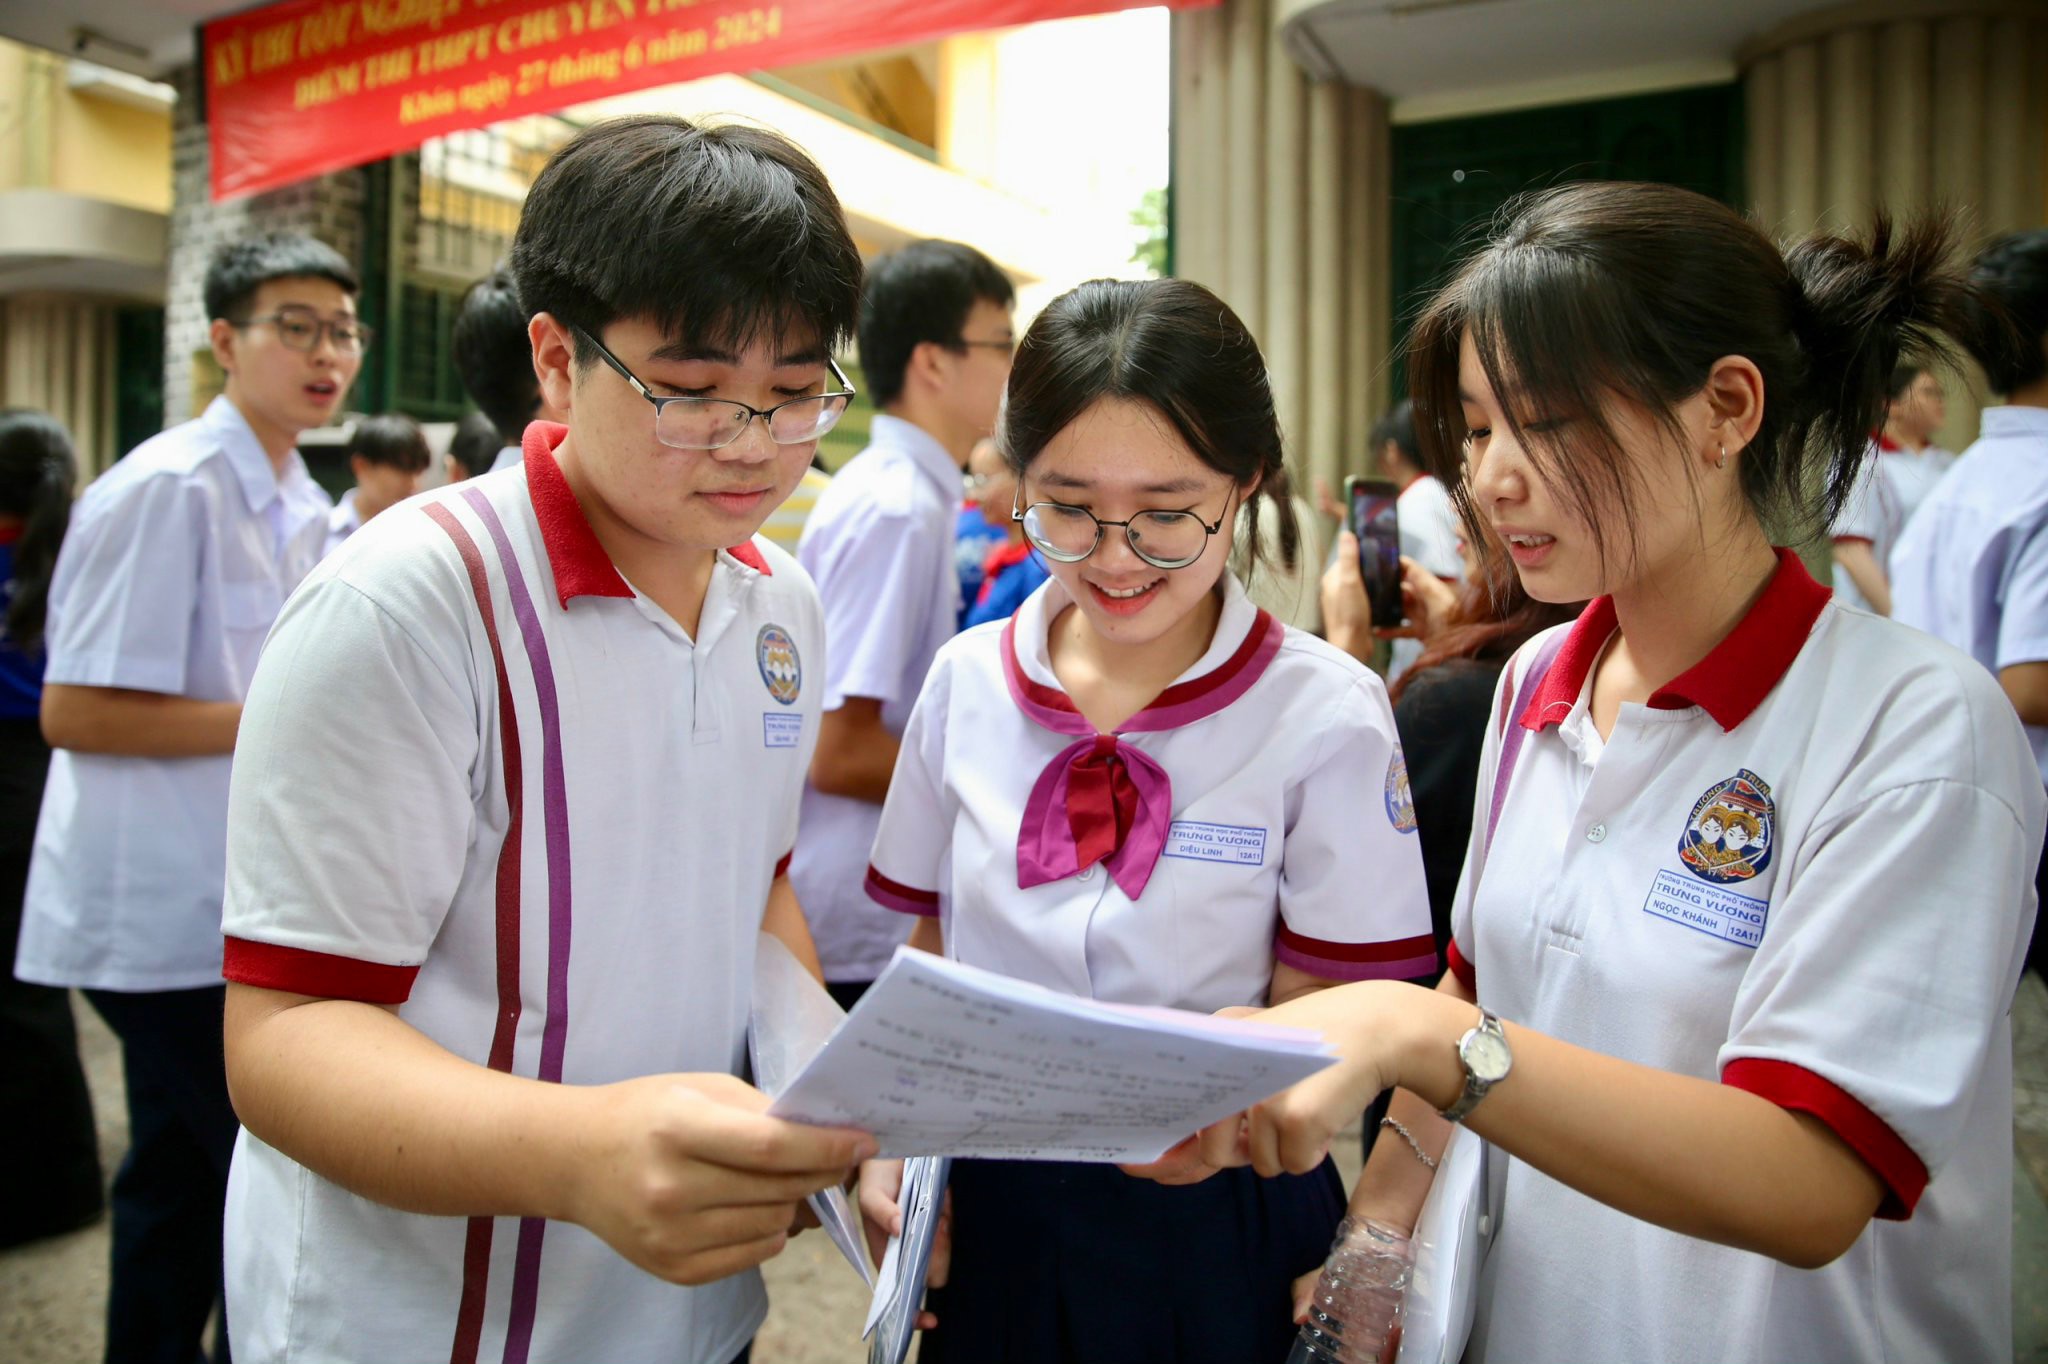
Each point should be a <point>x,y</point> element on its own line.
<point>1413,1144</point>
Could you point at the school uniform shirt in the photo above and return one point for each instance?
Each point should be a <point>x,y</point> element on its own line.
<point>177,561</point>
<point>1805,869</point>
<point>1891,488</point>
<point>508,457</point>
<point>345,520</point>
<point>1972,567</point>
<point>880,545</point>
<point>545,825</point>
<point>1256,811</point>
<point>1430,531</point>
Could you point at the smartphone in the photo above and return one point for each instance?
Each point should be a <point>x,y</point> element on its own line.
<point>1376,521</point>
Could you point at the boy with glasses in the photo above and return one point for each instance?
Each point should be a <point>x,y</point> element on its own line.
<point>177,562</point>
<point>491,925</point>
<point>935,341</point>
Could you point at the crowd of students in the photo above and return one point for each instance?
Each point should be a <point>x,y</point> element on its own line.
<point>1699,892</point>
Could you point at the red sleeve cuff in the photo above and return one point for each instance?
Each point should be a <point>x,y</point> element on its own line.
<point>899,897</point>
<point>1852,540</point>
<point>1796,1088</point>
<point>782,865</point>
<point>294,969</point>
<point>1396,959</point>
<point>1461,968</point>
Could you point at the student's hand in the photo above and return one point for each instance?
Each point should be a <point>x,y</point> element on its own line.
<point>1326,500</point>
<point>1428,604</point>
<point>1347,615</point>
<point>690,1179</point>
<point>881,1183</point>
<point>1305,1293</point>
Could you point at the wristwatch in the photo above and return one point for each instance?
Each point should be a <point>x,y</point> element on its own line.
<point>1483,1051</point>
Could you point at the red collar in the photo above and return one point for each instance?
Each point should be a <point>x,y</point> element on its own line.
<point>1885,442</point>
<point>581,567</point>
<point>1729,683</point>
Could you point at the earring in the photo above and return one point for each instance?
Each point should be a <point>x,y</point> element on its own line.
<point>1722,462</point>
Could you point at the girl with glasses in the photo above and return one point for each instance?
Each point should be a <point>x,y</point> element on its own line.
<point>1142,788</point>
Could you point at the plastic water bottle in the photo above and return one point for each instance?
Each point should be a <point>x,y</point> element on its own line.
<point>1355,1314</point>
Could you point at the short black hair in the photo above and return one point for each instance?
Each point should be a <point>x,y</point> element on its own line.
<point>476,443</point>
<point>240,267</point>
<point>921,293</point>
<point>1398,426</point>
<point>392,439</point>
<point>719,235</point>
<point>494,355</point>
<point>2013,273</point>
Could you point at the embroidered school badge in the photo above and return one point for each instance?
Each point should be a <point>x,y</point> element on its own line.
<point>781,668</point>
<point>1729,834</point>
<point>1400,800</point>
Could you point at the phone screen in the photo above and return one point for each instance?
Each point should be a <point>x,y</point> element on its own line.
<point>1376,523</point>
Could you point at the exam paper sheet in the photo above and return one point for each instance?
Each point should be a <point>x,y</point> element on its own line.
<point>942,1058</point>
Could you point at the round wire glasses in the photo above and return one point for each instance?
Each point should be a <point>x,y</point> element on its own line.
<point>1163,539</point>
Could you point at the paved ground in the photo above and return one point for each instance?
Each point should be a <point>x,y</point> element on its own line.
<point>52,1294</point>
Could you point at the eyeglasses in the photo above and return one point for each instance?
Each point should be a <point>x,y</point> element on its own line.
<point>685,423</point>
<point>301,329</point>
<point>1163,539</point>
<point>976,484</point>
<point>1007,347</point>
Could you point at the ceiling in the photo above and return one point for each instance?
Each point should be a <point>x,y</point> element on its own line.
<point>147,37</point>
<point>1411,48</point>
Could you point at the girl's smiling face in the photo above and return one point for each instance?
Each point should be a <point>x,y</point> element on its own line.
<point>1117,461</point>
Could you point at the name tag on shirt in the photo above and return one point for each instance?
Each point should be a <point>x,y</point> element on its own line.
<point>781,731</point>
<point>1216,843</point>
<point>1708,909</point>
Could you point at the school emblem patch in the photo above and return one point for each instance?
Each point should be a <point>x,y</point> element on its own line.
<point>781,667</point>
<point>1728,836</point>
<point>1400,800</point>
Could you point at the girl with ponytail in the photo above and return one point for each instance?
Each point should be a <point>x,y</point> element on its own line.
<point>1743,1108</point>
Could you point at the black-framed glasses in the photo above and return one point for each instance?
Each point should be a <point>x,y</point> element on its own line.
<point>1163,539</point>
<point>685,423</point>
<point>1008,347</point>
<point>301,328</point>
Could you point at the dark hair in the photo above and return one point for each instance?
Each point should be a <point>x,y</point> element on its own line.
<point>494,356</point>
<point>476,443</point>
<point>239,268</point>
<point>2012,275</point>
<point>918,294</point>
<point>37,474</point>
<point>1167,343</point>
<point>1592,290</point>
<point>392,439</point>
<point>1903,375</point>
<point>1397,428</point>
<point>719,235</point>
<point>1495,616</point>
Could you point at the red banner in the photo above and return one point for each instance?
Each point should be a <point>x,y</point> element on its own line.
<point>308,86</point>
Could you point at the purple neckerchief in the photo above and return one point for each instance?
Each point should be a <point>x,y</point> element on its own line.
<point>1101,799</point>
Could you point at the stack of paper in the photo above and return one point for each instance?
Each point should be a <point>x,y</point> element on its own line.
<point>945,1059</point>
<point>899,1288</point>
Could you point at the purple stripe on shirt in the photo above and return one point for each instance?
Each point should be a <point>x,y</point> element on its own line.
<point>555,820</point>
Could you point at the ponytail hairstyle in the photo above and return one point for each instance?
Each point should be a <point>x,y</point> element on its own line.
<point>1593,291</point>
<point>37,474</point>
<point>1177,348</point>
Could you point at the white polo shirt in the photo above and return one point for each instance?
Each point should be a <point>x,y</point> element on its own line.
<point>1430,531</point>
<point>508,457</point>
<point>1273,820</point>
<point>484,779</point>
<point>345,520</point>
<point>1893,484</point>
<point>1805,868</point>
<point>880,545</point>
<point>177,561</point>
<point>1972,567</point>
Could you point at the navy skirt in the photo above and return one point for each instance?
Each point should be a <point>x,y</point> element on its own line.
<point>1055,1263</point>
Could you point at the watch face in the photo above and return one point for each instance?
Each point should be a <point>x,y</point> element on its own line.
<point>1487,1056</point>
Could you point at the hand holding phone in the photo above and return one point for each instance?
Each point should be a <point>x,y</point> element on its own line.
<point>1375,519</point>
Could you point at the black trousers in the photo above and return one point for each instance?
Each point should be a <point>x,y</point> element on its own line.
<point>49,1153</point>
<point>171,1188</point>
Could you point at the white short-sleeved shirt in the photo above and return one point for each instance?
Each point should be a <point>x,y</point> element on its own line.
<point>880,545</point>
<point>345,520</point>
<point>1972,566</point>
<point>1430,531</point>
<point>1805,868</point>
<point>177,561</point>
<point>545,823</point>
<point>1891,488</point>
<point>507,458</point>
<point>1287,830</point>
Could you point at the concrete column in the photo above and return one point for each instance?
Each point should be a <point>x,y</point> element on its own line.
<point>1283,302</point>
<point>1327,242</point>
<point>1763,95</point>
<point>1848,66</point>
<point>1905,145</point>
<point>1960,69</point>
<point>1800,160</point>
<point>1244,274</point>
